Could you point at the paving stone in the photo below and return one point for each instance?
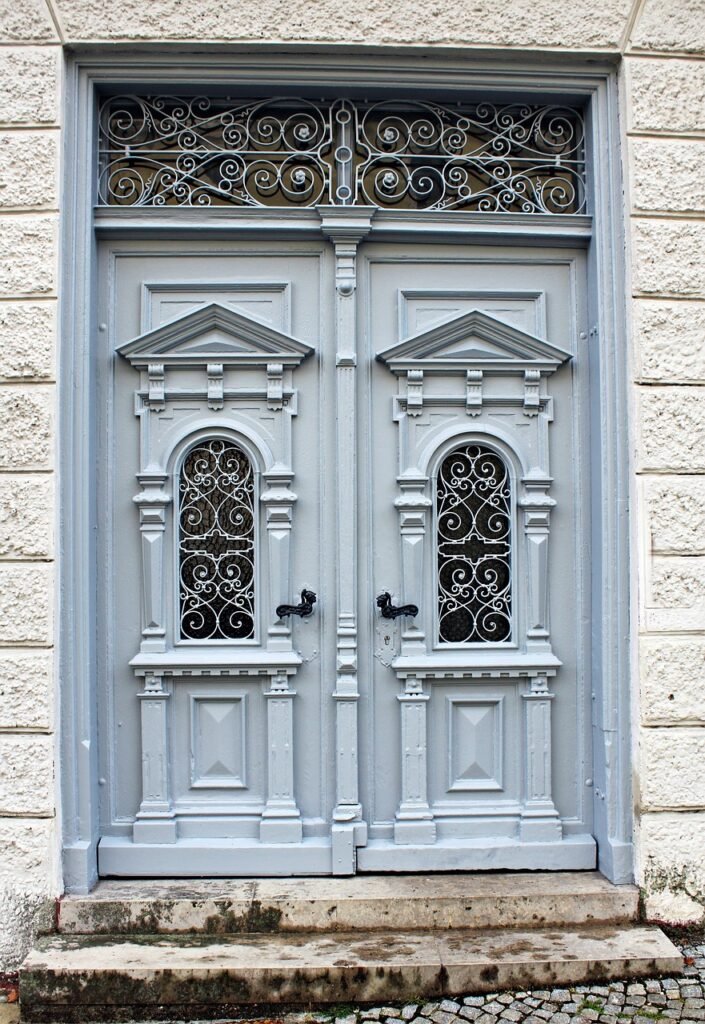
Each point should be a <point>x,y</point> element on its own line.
<point>450,1006</point>
<point>409,1012</point>
<point>486,1018</point>
<point>390,1011</point>
<point>545,1014</point>
<point>474,1000</point>
<point>587,1014</point>
<point>494,1008</point>
<point>428,1008</point>
<point>693,1003</point>
<point>512,1015</point>
<point>691,991</point>
<point>470,1012</point>
<point>442,1017</point>
<point>560,995</point>
<point>560,1018</point>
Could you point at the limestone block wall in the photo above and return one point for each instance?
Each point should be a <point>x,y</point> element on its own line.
<point>30,137</point>
<point>661,44</point>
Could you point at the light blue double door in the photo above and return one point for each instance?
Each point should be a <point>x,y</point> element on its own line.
<point>434,457</point>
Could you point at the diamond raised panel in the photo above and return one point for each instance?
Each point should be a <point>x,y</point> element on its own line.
<point>474,744</point>
<point>218,742</point>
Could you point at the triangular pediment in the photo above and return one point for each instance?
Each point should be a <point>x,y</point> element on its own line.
<point>214,334</point>
<point>473,340</point>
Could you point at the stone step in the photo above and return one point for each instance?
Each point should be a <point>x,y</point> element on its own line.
<point>403,902</point>
<point>82,978</point>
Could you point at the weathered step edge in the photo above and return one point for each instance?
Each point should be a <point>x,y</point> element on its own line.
<point>86,979</point>
<point>400,903</point>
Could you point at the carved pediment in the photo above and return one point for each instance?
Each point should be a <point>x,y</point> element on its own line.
<point>214,334</point>
<point>473,340</point>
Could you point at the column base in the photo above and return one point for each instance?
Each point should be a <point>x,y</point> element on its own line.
<point>154,830</point>
<point>281,830</point>
<point>415,832</point>
<point>540,829</point>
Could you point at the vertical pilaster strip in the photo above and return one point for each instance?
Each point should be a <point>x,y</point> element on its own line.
<point>346,227</point>
<point>412,506</point>
<point>536,505</point>
<point>414,819</point>
<point>152,502</point>
<point>278,499</point>
<point>155,820</point>
<point>281,818</point>
<point>539,818</point>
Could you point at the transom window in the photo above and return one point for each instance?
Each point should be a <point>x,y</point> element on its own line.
<point>217,543</point>
<point>397,154</point>
<point>473,522</point>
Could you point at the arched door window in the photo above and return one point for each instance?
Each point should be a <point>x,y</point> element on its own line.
<point>217,543</point>
<point>474,556</point>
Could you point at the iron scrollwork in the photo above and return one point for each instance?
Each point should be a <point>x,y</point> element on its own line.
<point>395,154</point>
<point>390,611</point>
<point>304,609</point>
<point>217,543</point>
<point>473,514</point>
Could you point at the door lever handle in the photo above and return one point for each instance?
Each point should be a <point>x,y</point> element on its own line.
<point>308,599</point>
<point>390,611</point>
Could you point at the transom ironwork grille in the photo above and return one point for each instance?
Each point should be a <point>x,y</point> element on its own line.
<point>404,154</point>
<point>473,516</point>
<point>217,543</point>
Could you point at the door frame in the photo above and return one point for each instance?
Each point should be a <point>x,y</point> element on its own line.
<point>300,70</point>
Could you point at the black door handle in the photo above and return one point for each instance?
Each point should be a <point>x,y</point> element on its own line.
<point>390,611</point>
<point>308,599</point>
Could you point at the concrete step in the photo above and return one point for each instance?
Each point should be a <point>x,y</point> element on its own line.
<point>394,902</point>
<point>82,978</point>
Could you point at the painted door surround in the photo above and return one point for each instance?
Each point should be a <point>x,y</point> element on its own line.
<point>348,233</point>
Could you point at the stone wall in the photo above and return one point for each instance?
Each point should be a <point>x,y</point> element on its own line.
<point>662,43</point>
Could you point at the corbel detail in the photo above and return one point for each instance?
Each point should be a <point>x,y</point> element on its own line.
<point>275,386</point>
<point>473,392</point>
<point>532,392</point>
<point>155,381</point>
<point>215,385</point>
<point>414,392</point>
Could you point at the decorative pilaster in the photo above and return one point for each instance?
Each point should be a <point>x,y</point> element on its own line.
<point>412,505</point>
<point>281,818</point>
<point>414,819</point>
<point>278,500</point>
<point>155,822</point>
<point>345,227</point>
<point>539,818</point>
<point>536,505</point>
<point>152,502</point>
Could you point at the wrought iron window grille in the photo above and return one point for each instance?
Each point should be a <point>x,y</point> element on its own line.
<point>217,543</point>
<point>394,154</point>
<point>474,547</point>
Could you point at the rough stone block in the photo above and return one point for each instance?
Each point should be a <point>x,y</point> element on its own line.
<point>28,248</point>
<point>26,853</point>
<point>25,690</point>
<point>26,604</point>
<point>28,340</point>
<point>667,257</point>
<point>666,95</point>
<point>26,427</point>
<point>677,25</point>
<point>671,865</point>
<point>671,763</point>
<point>26,774</point>
<point>24,913</point>
<point>675,594</point>
<point>29,163</point>
<point>522,23</point>
<point>676,514</point>
<point>667,175</point>
<point>669,340</point>
<point>672,427</point>
<point>26,517</point>
<point>672,677</point>
<point>25,21</point>
<point>29,85</point>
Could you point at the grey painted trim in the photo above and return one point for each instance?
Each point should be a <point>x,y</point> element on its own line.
<point>434,73</point>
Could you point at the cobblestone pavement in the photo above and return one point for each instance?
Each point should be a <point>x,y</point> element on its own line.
<point>616,1002</point>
